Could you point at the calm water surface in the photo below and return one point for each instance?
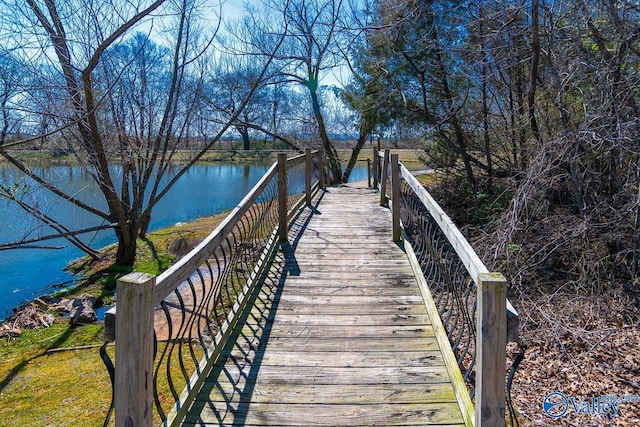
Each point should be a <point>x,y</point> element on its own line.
<point>27,273</point>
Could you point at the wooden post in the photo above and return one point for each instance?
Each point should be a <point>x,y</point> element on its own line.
<point>307,175</point>
<point>395,197</point>
<point>383,179</point>
<point>375,168</point>
<point>133,383</point>
<point>369,173</point>
<point>491,350</point>
<point>321,168</point>
<point>282,197</point>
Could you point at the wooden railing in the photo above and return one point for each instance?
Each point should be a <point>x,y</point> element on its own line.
<point>169,331</point>
<point>475,319</point>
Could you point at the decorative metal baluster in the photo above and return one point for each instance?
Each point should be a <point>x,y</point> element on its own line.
<point>195,311</point>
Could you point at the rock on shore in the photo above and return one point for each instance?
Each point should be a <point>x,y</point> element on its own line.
<point>39,314</point>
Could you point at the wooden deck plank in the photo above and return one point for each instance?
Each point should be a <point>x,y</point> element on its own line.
<point>341,331</point>
<point>338,376</point>
<point>350,344</point>
<point>263,414</point>
<point>413,310</point>
<point>337,335</point>
<point>336,256</point>
<point>327,394</point>
<point>345,290</point>
<point>347,359</point>
<point>364,302</point>
<point>354,283</point>
<point>342,276</point>
<point>348,264</point>
<point>353,320</point>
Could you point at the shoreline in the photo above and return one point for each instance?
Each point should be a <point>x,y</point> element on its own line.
<point>233,156</point>
<point>98,278</point>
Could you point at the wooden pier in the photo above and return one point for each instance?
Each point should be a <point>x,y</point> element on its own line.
<point>337,334</point>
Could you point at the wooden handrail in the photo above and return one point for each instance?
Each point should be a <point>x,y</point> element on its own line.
<point>467,254</point>
<point>180,271</point>
<point>139,293</point>
<point>496,318</point>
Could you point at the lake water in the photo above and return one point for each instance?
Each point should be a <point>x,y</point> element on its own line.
<point>27,273</point>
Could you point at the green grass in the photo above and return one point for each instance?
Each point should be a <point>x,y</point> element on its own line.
<point>72,388</point>
<point>99,278</point>
<point>68,388</point>
<point>62,388</point>
<point>409,157</point>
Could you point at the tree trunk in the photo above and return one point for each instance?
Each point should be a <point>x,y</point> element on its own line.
<point>453,120</point>
<point>535,60</point>
<point>244,132</point>
<point>485,106</point>
<point>452,115</point>
<point>365,131</point>
<point>329,150</point>
<point>127,245</point>
<point>143,228</point>
<point>522,137</point>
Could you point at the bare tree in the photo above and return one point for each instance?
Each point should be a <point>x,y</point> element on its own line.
<point>226,89</point>
<point>11,81</point>
<point>308,53</point>
<point>80,39</point>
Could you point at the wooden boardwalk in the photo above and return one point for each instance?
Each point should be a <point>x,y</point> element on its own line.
<point>337,335</point>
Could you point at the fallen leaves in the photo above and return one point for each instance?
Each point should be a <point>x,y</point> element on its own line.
<point>583,347</point>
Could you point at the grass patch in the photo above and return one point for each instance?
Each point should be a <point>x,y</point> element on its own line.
<point>68,388</point>
<point>99,278</point>
<point>72,388</point>
<point>411,158</point>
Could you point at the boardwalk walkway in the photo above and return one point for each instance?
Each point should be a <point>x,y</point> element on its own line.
<point>338,333</point>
